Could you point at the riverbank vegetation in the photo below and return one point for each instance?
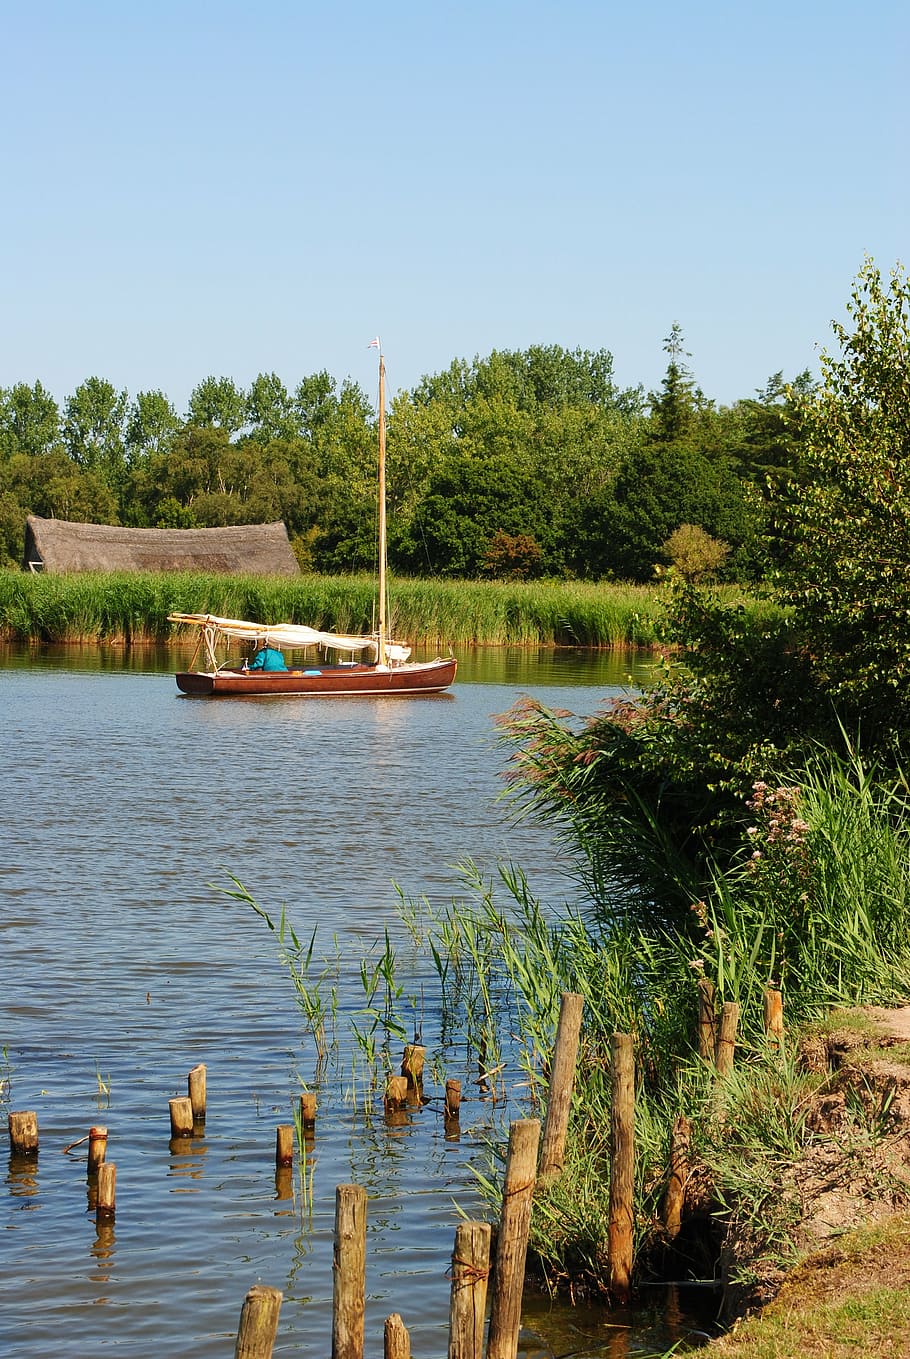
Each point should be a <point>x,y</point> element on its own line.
<point>133,608</point>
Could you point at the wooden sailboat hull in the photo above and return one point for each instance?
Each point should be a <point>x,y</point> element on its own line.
<point>322,681</point>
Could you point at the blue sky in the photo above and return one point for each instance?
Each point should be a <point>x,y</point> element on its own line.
<point>227,189</point>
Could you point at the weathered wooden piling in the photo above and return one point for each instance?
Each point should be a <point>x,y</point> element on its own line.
<point>195,1083</point>
<point>97,1148</point>
<point>412,1064</point>
<point>258,1323</point>
<point>470,1276</point>
<point>181,1111</point>
<point>512,1239</point>
<point>675,1195</point>
<point>396,1340</point>
<point>284,1144</point>
<point>707,1020</point>
<point>396,1093</point>
<point>23,1132</point>
<point>349,1271</point>
<point>622,1168</point>
<point>308,1109</point>
<point>453,1098</point>
<point>106,1200</point>
<point>726,1037</point>
<point>774,1017</point>
<point>562,1080</point>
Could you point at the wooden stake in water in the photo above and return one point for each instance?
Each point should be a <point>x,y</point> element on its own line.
<point>396,1092</point>
<point>512,1241</point>
<point>453,1098</point>
<point>196,1089</point>
<point>622,1169</point>
<point>412,1064</point>
<point>349,1291</point>
<point>284,1144</point>
<point>470,1276</point>
<point>97,1148</point>
<point>258,1323</point>
<point>562,1079</point>
<point>396,1340</point>
<point>675,1196</point>
<point>726,1037</point>
<point>308,1109</point>
<point>23,1133</point>
<point>181,1111</point>
<point>106,1202</point>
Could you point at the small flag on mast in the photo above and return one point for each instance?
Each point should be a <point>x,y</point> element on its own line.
<point>374,344</point>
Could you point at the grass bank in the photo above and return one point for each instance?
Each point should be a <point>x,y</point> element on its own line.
<point>133,608</point>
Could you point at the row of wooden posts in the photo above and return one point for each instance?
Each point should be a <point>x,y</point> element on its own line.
<point>471,1268</point>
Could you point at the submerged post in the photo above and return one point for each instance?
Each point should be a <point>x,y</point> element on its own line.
<point>258,1323</point>
<point>349,1272</point>
<point>512,1240</point>
<point>470,1276</point>
<point>562,1079</point>
<point>23,1133</point>
<point>622,1169</point>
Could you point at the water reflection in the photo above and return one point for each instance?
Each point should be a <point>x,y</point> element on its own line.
<point>102,1252</point>
<point>187,1160</point>
<point>22,1177</point>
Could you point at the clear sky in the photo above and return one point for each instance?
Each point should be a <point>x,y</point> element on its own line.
<point>200,188</point>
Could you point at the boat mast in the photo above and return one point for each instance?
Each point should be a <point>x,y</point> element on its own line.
<point>381,647</point>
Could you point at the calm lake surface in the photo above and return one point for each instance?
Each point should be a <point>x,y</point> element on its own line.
<point>126,810</point>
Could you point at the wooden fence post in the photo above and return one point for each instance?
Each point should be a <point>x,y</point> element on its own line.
<point>562,1079</point>
<point>308,1110</point>
<point>675,1196</point>
<point>258,1323</point>
<point>412,1064</point>
<point>181,1111</point>
<point>349,1271</point>
<point>97,1149</point>
<point>726,1037</point>
<point>470,1276</point>
<point>622,1168</point>
<point>106,1202</point>
<point>512,1240</point>
<point>284,1144</point>
<point>707,1020</point>
<point>774,1017</point>
<point>195,1083</point>
<point>453,1098</point>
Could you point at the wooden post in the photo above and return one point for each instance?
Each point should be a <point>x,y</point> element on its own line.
<point>106,1204</point>
<point>396,1093</point>
<point>97,1148</point>
<point>349,1270</point>
<point>726,1037</point>
<point>196,1089</point>
<point>675,1196</point>
<point>470,1275</point>
<point>181,1111</point>
<point>396,1340</point>
<point>622,1169</point>
<point>453,1098</point>
<point>512,1241</point>
<point>707,1020</point>
<point>308,1109</point>
<point>412,1064</point>
<point>23,1133</point>
<point>774,1017</point>
<point>284,1144</point>
<point>258,1323</point>
<point>562,1079</point>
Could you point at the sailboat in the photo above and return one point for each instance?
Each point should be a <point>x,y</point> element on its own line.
<point>377,664</point>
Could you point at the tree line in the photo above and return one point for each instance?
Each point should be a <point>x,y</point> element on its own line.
<point>523,464</point>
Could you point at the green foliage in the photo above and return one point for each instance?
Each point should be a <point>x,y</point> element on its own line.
<point>694,554</point>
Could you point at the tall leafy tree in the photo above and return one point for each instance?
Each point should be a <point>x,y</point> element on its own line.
<point>217,403</point>
<point>29,420</point>
<point>270,409</point>
<point>94,429</point>
<point>151,425</point>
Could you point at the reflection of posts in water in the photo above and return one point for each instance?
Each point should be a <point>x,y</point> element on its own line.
<point>673,1315</point>
<point>349,1291</point>
<point>396,1341</point>
<point>23,1176</point>
<point>187,1157</point>
<point>468,1303</point>
<point>452,1128</point>
<point>618,1344</point>
<point>512,1241</point>
<point>284,1182</point>
<point>23,1133</point>
<point>258,1323</point>
<point>102,1247</point>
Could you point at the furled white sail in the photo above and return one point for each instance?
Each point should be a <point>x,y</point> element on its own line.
<point>285,635</point>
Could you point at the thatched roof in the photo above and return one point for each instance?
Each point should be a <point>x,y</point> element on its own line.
<point>59,546</point>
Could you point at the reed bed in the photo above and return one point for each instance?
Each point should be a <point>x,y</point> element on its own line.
<point>133,608</point>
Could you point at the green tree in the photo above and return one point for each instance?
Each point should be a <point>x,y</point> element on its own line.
<point>29,420</point>
<point>270,409</point>
<point>93,429</point>
<point>151,425</point>
<point>217,403</point>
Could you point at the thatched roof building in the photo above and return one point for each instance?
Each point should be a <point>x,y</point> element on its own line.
<point>59,546</point>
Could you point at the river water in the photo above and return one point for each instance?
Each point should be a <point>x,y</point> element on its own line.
<point>126,812</point>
